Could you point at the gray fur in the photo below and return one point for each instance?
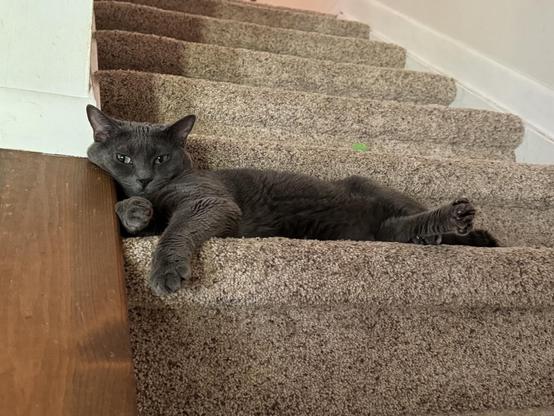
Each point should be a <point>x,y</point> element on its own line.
<point>189,206</point>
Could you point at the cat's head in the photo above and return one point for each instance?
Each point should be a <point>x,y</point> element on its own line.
<point>142,157</point>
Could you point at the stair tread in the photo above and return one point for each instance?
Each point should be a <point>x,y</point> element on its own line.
<point>375,274</point>
<point>341,359</point>
<point>232,33</point>
<point>493,182</point>
<point>379,144</point>
<point>265,15</point>
<point>152,53</point>
<point>163,98</point>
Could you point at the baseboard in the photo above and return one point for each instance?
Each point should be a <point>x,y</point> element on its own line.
<point>482,82</point>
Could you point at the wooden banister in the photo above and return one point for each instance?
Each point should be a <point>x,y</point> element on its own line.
<point>63,316</point>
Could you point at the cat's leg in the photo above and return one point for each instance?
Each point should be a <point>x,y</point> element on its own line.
<point>135,213</point>
<point>398,202</point>
<point>189,227</point>
<point>456,217</point>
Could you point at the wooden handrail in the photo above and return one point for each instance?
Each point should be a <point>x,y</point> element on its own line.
<point>63,317</point>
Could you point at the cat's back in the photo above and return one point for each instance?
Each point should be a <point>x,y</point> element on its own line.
<point>256,185</point>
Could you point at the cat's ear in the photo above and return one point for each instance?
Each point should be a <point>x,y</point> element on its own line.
<point>102,125</point>
<point>179,130</point>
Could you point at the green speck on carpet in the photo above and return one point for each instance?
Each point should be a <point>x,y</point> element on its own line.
<point>359,147</point>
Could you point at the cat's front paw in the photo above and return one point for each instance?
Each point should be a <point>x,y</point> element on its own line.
<point>167,278</point>
<point>462,214</point>
<point>134,213</point>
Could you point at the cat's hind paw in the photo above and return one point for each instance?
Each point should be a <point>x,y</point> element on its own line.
<point>462,214</point>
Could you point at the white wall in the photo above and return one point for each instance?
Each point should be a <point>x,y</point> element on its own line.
<point>44,75</point>
<point>515,33</point>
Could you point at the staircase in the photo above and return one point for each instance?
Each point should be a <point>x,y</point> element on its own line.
<point>300,327</point>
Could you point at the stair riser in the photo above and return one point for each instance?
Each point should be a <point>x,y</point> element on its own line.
<point>194,28</point>
<point>336,361</point>
<point>301,272</point>
<point>163,98</point>
<point>125,50</point>
<point>286,19</point>
<point>343,142</point>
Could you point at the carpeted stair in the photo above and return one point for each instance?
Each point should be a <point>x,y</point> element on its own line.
<point>151,53</point>
<point>244,111</point>
<point>236,34</point>
<point>300,327</point>
<point>264,15</point>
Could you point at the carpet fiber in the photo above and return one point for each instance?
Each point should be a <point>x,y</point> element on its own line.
<point>300,327</point>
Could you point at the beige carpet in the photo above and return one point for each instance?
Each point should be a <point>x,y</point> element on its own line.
<point>264,15</point>
<point>237,34</point>
<point>299,327</point>
<point>151,53</point>
<point>160,97</point>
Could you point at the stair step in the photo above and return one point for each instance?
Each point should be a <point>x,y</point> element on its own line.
<point>151,53</point>
<point>341,141</point>
<point>340,359</point>
<point>145,19</point>
<point>381,275</point>
<point>164,98</point>
<point>265,15</point>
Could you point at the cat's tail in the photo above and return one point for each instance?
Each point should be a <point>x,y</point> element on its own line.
<point>477,238</point>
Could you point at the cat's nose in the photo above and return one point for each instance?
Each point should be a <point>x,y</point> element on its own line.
<point>144,181</point>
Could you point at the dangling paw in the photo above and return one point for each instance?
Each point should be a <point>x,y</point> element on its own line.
<point>167,278</point>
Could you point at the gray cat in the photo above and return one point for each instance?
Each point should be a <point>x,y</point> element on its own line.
<point>190,206</point>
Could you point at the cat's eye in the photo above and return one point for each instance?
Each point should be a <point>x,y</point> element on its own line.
<point>161,159</point>
<point>123,159</point>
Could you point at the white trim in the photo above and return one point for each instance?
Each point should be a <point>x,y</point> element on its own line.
<point>483,82</point>
<point>49,116</point>
<point>42,122</point>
